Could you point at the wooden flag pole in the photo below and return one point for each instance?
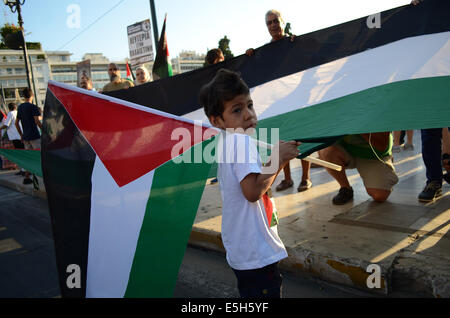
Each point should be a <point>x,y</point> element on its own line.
<point>318,162</point>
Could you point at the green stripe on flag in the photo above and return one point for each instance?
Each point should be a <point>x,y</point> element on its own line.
<point>404,105</point>
<point>171,209</point>
<point>30,160</point>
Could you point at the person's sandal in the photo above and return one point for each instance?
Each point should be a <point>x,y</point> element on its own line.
<point>344,195</point>
<point>304,185</point>
<point>285,184</point>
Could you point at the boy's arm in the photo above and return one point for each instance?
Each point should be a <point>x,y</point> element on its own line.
<point>255,185</point>
<point>38,122</point>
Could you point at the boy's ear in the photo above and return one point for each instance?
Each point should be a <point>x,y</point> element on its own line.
<point>216,121</point>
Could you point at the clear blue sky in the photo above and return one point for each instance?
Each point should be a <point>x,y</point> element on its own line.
<point>191,25</point>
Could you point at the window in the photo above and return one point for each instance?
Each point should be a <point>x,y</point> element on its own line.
<point>21,82</point>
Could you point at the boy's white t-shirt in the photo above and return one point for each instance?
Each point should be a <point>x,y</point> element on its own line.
<point>249,241</point>
<point>10,121</point>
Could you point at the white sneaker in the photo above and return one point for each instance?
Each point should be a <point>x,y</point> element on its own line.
<point>396,149</point>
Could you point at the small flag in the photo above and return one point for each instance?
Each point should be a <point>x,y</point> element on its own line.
<point>130,75</point>
<point>162,67</point>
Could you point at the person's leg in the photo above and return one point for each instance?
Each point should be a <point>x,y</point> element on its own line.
<point>445,141</point>
<point>402,137</point>
<point>259,283</point>
<point>306,183</point>
<point>378,195</point>
<point>396,147</point>
<point>431,155</point>
<point>337,155</point>
<point>409,140</point>
<point>287,182</point>
<point>379,177</point>
<point>27,179</point>
<point>446,153</point>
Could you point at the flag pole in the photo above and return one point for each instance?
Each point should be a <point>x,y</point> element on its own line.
<point>318,162</point>
<point>154,22</point>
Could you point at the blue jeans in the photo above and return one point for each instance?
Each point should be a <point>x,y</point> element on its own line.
<point>432,153</point>
<point>259,283</point>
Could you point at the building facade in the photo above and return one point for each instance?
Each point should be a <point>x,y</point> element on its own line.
<point>57,66</point>
<point>187,61</point>
<point>13,78</point>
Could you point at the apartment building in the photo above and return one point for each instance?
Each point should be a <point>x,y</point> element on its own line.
<point>57,66</point>
<point>13,76</point>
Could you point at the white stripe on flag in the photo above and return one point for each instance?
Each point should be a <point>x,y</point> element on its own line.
<point>116,219</point>
<point>410,58</point>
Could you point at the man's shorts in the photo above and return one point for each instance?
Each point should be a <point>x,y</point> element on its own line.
<point>374,173</point>
<point>32,144</point>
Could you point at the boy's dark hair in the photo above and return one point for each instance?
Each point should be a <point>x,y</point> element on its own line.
<point>27,92</point>
<point>225,86</point>
<point>12,106</point>
<point>212,56</point>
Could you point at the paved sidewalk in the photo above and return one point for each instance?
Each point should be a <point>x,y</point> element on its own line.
<point>409,240</point>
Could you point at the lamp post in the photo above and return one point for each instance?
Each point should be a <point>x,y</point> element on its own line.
<point>14,5</point>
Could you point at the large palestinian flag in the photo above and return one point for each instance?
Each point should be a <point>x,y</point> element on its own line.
<point>346,79</point>
<point>358,79</point>
<point>122,205</point>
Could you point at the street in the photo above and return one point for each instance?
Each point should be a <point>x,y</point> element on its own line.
<point>27,251</point>
<point>28,267</point>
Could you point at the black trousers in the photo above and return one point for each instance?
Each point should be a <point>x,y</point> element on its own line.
<point>259,283</point>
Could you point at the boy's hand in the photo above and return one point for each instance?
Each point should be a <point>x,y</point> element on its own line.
<point>288,150</point>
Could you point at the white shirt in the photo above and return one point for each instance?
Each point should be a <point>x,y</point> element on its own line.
<point>10,122</point>
<point>249,241</point>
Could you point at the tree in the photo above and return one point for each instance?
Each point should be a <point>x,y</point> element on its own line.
<point>224,46</point>
<point>14,42</point>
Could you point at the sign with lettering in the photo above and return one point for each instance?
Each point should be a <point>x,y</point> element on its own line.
<point>140,43</point>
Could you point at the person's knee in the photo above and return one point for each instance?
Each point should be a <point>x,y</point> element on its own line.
<point>379,195</point>
<point>327,154</point>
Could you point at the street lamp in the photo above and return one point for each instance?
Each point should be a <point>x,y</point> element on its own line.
<point>14,5</point>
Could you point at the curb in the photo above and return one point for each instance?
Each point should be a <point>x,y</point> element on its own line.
<point>402,273</point>
<point>26,189</point>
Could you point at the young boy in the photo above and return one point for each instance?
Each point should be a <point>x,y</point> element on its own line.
<point>253,248</point>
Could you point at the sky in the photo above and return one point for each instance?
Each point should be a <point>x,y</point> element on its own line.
<point>100,26</point>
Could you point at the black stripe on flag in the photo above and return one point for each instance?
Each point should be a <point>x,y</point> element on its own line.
<point>67,163</point>
<point>178,95</point>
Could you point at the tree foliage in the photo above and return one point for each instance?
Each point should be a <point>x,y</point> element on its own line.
<point>224,45</point>
<point>11,29</point>
<point>8,29</point>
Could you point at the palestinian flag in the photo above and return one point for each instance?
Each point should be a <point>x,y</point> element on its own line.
<point>130,75</point>
<point>162,67</point>
<point>122,205</point>
<point>345,79</point>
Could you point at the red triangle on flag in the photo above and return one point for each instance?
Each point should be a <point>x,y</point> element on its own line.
<point>130,142</point>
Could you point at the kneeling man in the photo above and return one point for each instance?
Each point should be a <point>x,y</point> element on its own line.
<point>371,154</point>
